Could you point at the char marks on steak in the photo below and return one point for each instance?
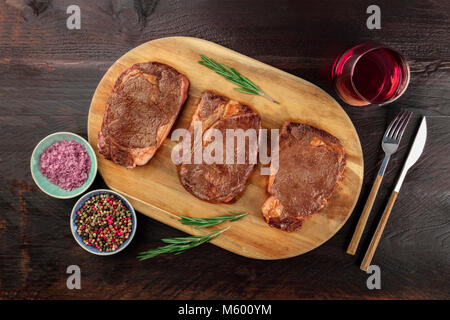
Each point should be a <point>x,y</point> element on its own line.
<point>221,182</point>
<point>311,163</point>
<point>140,112</point>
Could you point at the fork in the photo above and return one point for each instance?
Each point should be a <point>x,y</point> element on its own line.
<point>390,142</point>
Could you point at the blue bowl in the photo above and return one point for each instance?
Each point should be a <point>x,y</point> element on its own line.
<point>78,206</point>
<point>43,183</point>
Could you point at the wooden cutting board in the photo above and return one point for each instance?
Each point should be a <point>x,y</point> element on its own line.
<point>155,190</point>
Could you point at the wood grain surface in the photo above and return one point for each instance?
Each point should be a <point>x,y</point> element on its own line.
<point>155,189</point>
<point>48,75</point>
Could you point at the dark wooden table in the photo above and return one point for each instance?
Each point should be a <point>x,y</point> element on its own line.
<point>48,75</point>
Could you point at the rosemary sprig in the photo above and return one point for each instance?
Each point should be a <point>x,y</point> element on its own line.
<point>245,84</point>
<point>208,222</point>
<point>180,245</point>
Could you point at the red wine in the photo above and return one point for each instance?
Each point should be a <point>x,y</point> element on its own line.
<point>369,74</point>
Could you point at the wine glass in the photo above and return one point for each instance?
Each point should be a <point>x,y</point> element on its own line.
<point>370,74</point>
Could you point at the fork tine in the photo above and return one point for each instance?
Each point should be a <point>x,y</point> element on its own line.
<point>393,124</point>
<point>397,126</point>
<point>390,126</point>
<point>402,127</point>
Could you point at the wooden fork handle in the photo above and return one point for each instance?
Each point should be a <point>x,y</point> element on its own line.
<point>364,215</point>
<point>377,236</point>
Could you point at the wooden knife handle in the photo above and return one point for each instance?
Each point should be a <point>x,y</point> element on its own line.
<point>364,215</point>
<point>377,236</point>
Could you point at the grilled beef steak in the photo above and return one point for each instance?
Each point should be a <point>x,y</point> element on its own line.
<point>311,163</point>
<point>221,182</point>
<point>140,112</point>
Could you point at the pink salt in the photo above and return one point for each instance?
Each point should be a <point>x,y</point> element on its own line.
<point>66,164</point>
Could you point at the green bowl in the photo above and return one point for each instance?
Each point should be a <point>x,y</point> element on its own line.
<point>43,183</point>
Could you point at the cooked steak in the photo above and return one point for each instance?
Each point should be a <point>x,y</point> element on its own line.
<point>311,163</point>
<point>140,112</point>
<point>221,182</point>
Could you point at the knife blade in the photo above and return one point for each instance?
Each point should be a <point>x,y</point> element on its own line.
<point>415,152</point>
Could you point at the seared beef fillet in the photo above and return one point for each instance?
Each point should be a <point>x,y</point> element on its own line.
<point>311,163</point>
<point>140,112</point>
<point>221,182</point>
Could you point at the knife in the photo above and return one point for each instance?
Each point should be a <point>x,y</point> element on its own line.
<point>413,156</point>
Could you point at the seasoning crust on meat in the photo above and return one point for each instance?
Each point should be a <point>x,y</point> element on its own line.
<point>140,112</point>
<point>311,163</point>
<point>220,182</point>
